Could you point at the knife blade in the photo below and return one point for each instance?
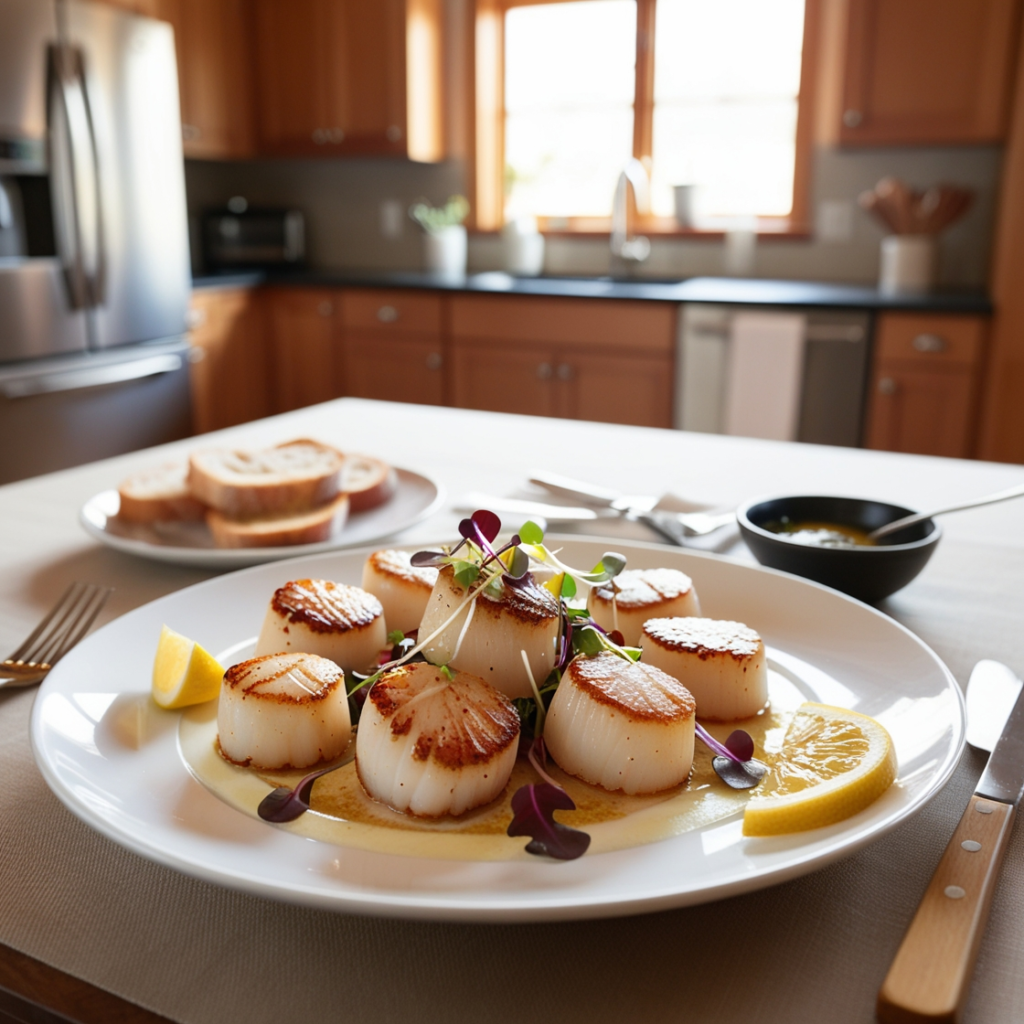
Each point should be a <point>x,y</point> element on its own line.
<point>991,693</point>
<point>930,976</point>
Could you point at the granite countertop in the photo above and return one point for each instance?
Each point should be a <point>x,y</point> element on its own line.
<point>728,290</point>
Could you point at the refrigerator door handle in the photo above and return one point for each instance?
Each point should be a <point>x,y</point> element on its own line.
<point>76,175</point>
<point>91,377</point>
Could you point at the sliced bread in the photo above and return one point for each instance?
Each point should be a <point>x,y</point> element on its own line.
<point>281,529</point>
<point>367,481</point>
<point>292,477</point>
<point>159,494</point>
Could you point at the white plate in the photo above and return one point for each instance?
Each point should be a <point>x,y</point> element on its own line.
<point>415,498</point>
<point>113,758</point>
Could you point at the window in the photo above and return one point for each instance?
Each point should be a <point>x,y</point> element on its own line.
<point>705,92</point>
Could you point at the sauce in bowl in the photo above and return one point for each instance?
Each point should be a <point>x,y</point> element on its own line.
<point>820,534</point>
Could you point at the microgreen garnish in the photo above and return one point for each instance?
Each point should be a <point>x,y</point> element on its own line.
<point>734,764</point>
<point>284,804</point>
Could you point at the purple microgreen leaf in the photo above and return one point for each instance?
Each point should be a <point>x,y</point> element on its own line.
<point>739,775</point>
<point>531,533</point>
<point>566,651</point>
<point>617,638</point>
<point>714,745</point>
<point>533,807</point>
<point>741,744</point>
<point>487,523</point>
<point>428,559</point>
<point>284,804</point>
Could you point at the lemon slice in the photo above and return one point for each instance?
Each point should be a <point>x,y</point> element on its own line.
<point>184,673</point>
<point>833,764</point>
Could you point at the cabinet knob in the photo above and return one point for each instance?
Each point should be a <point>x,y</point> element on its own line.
<point>565,372</point>
<point>194,318</point>
<point>887,386</point>
<point>435,361</point>
<point>387,314</point>
<point>852,118</point>
<point>319,136</point>
<point>544,371</point>
<point>325,309</point>
<point>929,343</point>
<point>394,133</point>
<point>190,132</point>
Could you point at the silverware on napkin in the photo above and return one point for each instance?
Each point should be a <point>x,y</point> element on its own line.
<point>931,973</point>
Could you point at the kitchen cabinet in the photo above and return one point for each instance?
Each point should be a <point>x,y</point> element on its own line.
<point>574,358</point>
<point>343,77</point>
<point>392,345</point>
<point>230,359</point>
<point>925,384</point>
<point>214,45</point>
<point>306,365</point>
<point>931,72</point>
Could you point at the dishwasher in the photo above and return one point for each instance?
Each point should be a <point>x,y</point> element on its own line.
<point>829,351</point>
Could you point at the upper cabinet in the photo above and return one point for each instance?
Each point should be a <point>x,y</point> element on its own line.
<point>916,71</point>
<point>213,39</point>
<point>349,77</point>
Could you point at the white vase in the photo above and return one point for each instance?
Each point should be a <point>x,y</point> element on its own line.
<point>908,264</point>
<point>444,251</point>
<point>522,248</point>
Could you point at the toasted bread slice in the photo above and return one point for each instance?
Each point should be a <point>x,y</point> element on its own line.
<point>292,477</point>
<point>367,481</point>
<point>279,530</point>
<point>158,494</point>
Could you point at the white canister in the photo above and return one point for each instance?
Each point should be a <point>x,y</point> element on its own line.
<point>908,264</point>
<point>522,247</point>
<point>684,201</point>
<point>444,250</point>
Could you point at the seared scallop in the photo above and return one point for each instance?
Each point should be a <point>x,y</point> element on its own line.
<point>721,663</point>
<point>621,725</point>
<point>283,711</point>
<point>522,618</point>
<point>345,624</point>
<point>432,745</point>
<point>402,589</point>
<point>636,595</point>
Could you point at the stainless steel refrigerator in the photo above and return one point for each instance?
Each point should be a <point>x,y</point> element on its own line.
<point>94,265</point>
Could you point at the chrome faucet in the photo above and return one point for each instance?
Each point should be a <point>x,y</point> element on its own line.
<point>629,250</point>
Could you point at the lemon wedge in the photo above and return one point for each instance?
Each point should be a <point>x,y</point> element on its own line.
<point>833,764</point>
<point>184,673</point>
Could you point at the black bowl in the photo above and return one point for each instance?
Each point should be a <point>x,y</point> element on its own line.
<point>867,573</point>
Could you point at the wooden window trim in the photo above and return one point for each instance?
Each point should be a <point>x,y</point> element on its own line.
<point>486,116</point>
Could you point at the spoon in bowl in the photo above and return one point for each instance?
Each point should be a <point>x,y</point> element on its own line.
<point>920,517</point>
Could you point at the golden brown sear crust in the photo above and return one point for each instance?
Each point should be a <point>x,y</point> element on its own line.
<point>319,678</point>
<point>471,722</point>
<point>326,607</point>
<point>396,563</point>
<point>705,638</point>
<point>641,692</point>
<point>639,588</point>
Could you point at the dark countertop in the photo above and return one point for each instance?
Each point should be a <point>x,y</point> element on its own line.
<point>728,290</point>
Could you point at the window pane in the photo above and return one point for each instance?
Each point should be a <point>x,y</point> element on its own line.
<point>569,78</point>
<point>727,76</point>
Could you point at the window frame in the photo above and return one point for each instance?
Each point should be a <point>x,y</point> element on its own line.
<point>486,117</point>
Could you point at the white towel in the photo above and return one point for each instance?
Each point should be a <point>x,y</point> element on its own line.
<point>766,358</point>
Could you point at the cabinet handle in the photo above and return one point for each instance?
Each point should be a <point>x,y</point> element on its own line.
<point>929,343</point>
<point>852,118</point>
<point>325,309</point>
<point>887,386</point>
<point>196,354</point>
<point>565,372</point>
<point>195,317</point>
<point>435,361</point>
<point>387,314</point>
<point>190,132</point>
<point>394,133</point>
<point>544,371</point>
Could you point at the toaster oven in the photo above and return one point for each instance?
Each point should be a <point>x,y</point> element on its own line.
<point>253,239</point>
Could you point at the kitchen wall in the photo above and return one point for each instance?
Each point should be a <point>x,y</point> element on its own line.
<point>342,201</point>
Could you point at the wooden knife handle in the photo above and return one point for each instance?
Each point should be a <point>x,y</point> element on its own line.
<point>931,974</point>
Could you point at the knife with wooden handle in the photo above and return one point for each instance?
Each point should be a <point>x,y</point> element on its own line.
<point>931,974</point>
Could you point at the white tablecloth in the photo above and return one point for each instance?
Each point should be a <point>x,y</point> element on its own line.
<point>811,950</point>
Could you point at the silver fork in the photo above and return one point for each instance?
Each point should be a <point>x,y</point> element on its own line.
<point>65,624</point>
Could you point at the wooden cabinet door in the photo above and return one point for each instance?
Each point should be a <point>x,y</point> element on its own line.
<point>615,389</point>
<point>230,365</point>
<point>504,378</point>
<point>214,44</point>
<point>306,366</point>
<point>926,71</point>
<point>923,411</point>
<point>394,369</point>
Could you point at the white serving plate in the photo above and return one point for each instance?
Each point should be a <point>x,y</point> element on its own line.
<point>113,758</point>
<point>415,498</point>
